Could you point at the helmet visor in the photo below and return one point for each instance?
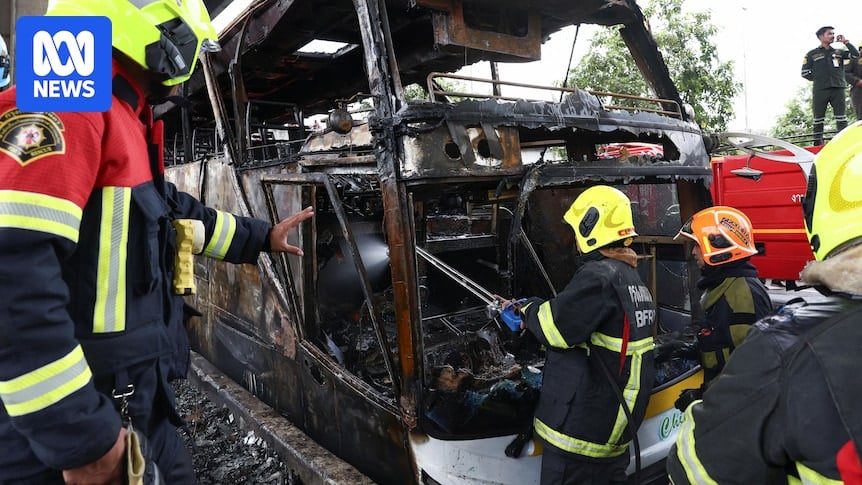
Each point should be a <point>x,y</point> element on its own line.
<point>686,230</point>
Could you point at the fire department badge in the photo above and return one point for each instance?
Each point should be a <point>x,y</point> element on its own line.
<point>27,137</point>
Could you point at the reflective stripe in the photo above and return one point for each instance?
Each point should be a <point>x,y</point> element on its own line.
<point>614,344</point>
<point>811,477</point>
<point>630,394</point>
<point>575,445</point>
<point>685,451</point>
<point>38,389</point>
<point>39,212</point>
<point>549,328</point>
<point>222,236</point>
<point>109,314</point>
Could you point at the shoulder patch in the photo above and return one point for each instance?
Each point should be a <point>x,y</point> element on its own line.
<point>27,137</point>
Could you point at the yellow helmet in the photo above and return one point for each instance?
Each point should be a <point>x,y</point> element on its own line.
<point>833,201</point>
<point>723,233</point>
<point>162,36</point>
<point>599,216</point>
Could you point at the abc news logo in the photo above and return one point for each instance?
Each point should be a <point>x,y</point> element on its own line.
<point>46,59</point>
<point>64,64</point>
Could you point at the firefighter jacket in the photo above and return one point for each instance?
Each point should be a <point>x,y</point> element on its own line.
<point>826,66</point>
<point>732,300</point>
<point>786,402</point>
<point>86,298</point>
<point>603,318</point>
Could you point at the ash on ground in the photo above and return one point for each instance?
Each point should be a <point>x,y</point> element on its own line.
<point>222,452</point>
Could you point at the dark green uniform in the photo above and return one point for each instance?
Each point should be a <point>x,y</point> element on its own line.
<point>852,76</point>
<point>825,67</point>
<point>733,299</point>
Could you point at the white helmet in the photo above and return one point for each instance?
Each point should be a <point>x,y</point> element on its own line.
<point>5,66</point>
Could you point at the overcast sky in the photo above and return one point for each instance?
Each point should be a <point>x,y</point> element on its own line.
<point>766,39</point>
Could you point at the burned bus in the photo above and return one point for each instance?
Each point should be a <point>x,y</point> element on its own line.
<point>381,342</point>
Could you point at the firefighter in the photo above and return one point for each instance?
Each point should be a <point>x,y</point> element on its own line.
<point>788,399</point>
<point>824,66</point>
<point>853,76</point>
<point>91,328</point>
<point>733,297</point>
<point>598,332</point>
<point>5,66</point>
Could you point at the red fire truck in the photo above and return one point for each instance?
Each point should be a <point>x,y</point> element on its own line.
<point>769,190</point>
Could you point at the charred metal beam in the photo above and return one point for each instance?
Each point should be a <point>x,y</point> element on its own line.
<point>564,174</point>
<point>453,27</point>
<point>458,132</point>
<point>495,147</point>
<point>396,214</point>
<point>580,109</point>
<point>531,250</point>
<point>223,131</point>
<point>261,18</point>
<point>239,96</point>
<point>460,243</point>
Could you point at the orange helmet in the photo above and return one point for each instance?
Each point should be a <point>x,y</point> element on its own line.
<point>723,234</point>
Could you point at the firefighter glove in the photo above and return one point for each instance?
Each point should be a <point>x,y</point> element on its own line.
<point>140,468</point>
<point>686,397</point>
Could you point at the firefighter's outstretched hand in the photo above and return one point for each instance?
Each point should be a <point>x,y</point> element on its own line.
<point>278,236</point>
<point>106,470</point>
<point>503,302</point>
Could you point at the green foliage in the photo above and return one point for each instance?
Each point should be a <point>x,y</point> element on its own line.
<point>416,91</point>
<point>685,41</point>
<point>797,118</point>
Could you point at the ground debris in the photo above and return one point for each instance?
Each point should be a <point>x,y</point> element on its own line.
<point>223,453</point>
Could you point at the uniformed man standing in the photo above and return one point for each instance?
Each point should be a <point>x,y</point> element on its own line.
<point>853,76</point>
<point>824,66</point>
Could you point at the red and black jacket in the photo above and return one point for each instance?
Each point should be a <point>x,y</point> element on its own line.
<point>86,299</point>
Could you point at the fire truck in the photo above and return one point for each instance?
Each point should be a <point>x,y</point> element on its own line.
<point>767,181</point>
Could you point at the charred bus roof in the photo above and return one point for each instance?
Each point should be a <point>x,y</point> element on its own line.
<point>262,56</point>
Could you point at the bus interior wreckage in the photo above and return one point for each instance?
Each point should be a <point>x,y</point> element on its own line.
<point>378,342</point>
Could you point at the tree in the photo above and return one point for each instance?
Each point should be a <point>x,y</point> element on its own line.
<point>797,121</point>
<point>685,41</point>
<point>416,91</point>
